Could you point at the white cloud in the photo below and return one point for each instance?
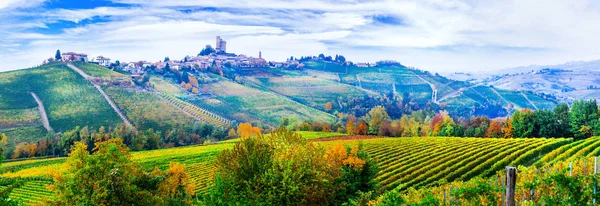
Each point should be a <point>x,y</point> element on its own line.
<point>438,35</point>
<point>10,4</point>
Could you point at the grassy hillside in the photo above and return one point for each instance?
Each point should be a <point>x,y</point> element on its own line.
<point>97,70</point>
<point>69,99</point>
<point>147,110</point>
<point>238,101</point>
<point>403,161</point>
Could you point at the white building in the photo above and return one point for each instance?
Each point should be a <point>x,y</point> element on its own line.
<point>103,61</point>
<point>72,56</point>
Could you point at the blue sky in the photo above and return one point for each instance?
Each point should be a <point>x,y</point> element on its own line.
<point>435,35</point>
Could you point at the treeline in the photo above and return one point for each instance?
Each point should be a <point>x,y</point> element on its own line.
<point>581,120</point>
<point>60,144</point>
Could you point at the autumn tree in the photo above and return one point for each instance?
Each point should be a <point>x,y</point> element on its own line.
<point>299,172</point>
<point>193,81</point>
<point>246,130</point>
<point>375,117</point>
<point>361,128</point>
<point>495,129</point>
<point>177,188</point>
<point>109,176</point>
<point>3,140</point>
<point>328,106</point>
<point>350,124</point>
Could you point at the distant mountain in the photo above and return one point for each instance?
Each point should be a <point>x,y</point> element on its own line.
<point>569,81</point>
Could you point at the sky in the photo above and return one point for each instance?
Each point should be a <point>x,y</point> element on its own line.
<point>436,35</point>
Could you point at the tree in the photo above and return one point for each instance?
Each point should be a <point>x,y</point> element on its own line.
<point>328,106</point>
<point>207,50</point>
<point>546,123</point>
<point>285,169</point>
<point>561,112</point>
<point>109,176</point>
<point>193,81</point>
<point>375,117</point>
<point>167,59</point>
<point>58,56</point>
<point>582,114</point>
<point>523,123</point>
<point>362,128</point>
<point>495,130</point>
<point>246,130</point>
<point>177,187</point>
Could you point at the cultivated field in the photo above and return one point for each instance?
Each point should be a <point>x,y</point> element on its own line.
<point>404,162</point>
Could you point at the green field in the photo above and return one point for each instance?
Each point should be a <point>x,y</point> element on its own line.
<point>23,134</point>
<point>419,161</point>
<point>70,100</point>
<point>19,118</point>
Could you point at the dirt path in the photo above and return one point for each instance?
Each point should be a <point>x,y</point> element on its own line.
<point>530,102</point>
<point>43,114</point>
<point>108,99</point>
<point>501,97</point>
<point>433,89</point>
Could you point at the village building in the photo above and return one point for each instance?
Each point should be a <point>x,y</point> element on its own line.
<point>72,56</point>
<point>103,61</point>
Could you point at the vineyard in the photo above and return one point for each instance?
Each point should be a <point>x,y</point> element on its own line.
<point>69,99</point>
<point>197,111</point>
<point>404,162</point>
<point>147,110</point>
<point>96,70</point>
<point>571,181</point>
<point>266,106</point>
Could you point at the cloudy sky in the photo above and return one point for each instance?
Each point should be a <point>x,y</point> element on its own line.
<point>435,35</point>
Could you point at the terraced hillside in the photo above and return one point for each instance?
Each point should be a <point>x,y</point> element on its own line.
<point>404,162</point>
<point>69,100</point>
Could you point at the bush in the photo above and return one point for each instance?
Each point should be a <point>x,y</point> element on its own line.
<point>284,169</point>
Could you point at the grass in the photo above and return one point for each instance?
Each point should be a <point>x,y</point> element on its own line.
<point>97,70</point>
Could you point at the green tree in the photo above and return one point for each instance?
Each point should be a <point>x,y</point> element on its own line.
<point>546,123</point>
<point>581,116</point>
<point>104,178</point>
<point>523,124</point>
<point>58,56</point>
<point>561,112</point>
<point>207,50</point>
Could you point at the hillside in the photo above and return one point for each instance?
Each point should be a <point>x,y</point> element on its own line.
<point>69,101</point>
<point>569,81</point>
<point>427,161</point>
<point>259,95</point>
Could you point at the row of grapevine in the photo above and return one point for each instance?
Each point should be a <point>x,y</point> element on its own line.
<point>197,112</point>
<point>424,161</point>
<point>32,192</point>
<point>561,183</point>
<point>588,147</point>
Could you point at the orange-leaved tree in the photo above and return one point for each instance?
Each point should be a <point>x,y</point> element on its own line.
<point>246,130</point>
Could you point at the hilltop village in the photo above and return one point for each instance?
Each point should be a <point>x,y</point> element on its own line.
<point>209,57</point>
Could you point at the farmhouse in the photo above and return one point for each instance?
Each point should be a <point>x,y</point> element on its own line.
<point>103,61</point>
<point>72,56</point>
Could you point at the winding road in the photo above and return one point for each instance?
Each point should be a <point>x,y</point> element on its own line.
<point>110,101</point>
<point>43,114</point>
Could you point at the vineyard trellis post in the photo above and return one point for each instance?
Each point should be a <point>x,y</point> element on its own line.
<point>511,179</point>
<point>595,172</point>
